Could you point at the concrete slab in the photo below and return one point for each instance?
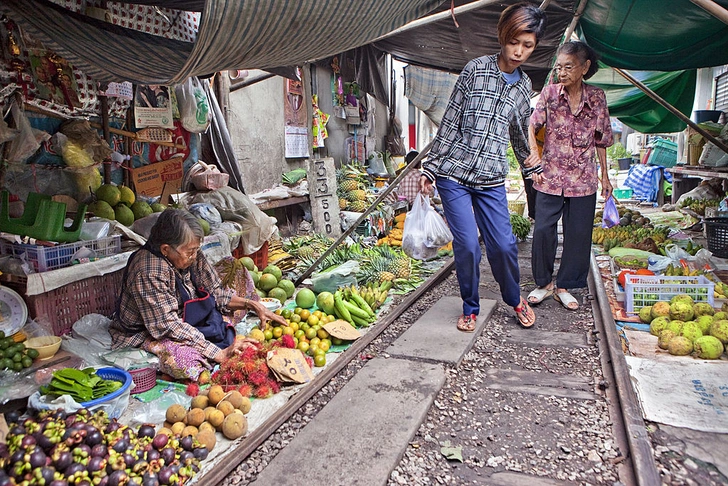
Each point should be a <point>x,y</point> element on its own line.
<point>507,478</point>
<point>359,437</point>
<point>423,340</point>
<point>705,446</point>
<point>521,381</point>
<point>528,337</point>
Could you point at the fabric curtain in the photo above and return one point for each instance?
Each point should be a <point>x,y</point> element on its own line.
<point>429,90</point>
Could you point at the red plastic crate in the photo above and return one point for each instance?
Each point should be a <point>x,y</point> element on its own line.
<point>260,257</point>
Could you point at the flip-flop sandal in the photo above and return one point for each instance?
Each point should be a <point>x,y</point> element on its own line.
<point>467,323</point>
<point>567,300</point>
<point>539,294</point>
<point>524,314</point>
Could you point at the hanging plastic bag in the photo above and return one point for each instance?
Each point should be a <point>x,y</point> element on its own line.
<point>424,230</point>
<point>610,215</point>
<point>194,107</point>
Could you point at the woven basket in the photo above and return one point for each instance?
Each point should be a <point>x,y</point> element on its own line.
<point>144,379</point>
<point>517,207</point>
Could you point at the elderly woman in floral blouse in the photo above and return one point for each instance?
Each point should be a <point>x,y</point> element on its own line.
<point>578,132</point>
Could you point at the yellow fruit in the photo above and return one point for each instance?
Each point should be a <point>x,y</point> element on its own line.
<point>234,426</point>
<point>312,320</point>
<point>225,407</point>
<point>215,394</point>
<point>207,438</point>
<point>175,413</point>
<point>304,314</point>
<point>277,332</point>
<point>319,360</point>
<point>195,416</point>
<point>126,195</point>
<point>268,333</point>
<point>257,334</point>
<point>322,334</point>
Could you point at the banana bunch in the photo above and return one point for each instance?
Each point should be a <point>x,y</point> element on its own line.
<point>353,304</point>
<point>520,226</point>
<point>279,257</point>
<point>681,271</point>
<point>720,291</point>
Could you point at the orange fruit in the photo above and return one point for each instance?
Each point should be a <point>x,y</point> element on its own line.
<point>321,333</point>
<point>294,326</point>
<point>297,310</point>
<point>319,360</point>
<point>305,314</point>
<point>324,345</point>
<point>268,333</point>
<point>299,333</point>
<point>312,320</point>
<point>317,313</point>
<point>277,332</point>
<point>310,333</point>
<point>295,318</point>
<point>336,341</point>
<point>315,341</point>
<point>288,330</point>
<point>312,349</point>
<point>303,346</point>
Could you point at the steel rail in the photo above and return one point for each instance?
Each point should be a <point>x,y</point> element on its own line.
<point>279,417</point>
<point>640,450</point>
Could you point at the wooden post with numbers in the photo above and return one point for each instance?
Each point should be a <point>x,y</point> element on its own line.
<point>322,192</point>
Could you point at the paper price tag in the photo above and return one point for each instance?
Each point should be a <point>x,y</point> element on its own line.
<point>342,330</point>
<point>289,365</point>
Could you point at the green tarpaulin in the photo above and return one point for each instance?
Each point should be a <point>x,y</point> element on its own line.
<point>635,109</point>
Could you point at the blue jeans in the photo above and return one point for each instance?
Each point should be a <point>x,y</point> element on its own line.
<point>468,210</point>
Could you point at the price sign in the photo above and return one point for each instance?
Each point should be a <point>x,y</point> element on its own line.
<point>289,365</point>
<point>342,330</point>
<point>324,201</point>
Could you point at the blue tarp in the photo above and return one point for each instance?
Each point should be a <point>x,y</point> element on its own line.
<point>645,181</point>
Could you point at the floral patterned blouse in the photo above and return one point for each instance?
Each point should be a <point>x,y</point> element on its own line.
<point>569,150</point>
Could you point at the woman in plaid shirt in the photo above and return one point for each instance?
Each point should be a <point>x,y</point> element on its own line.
<point>172,301</point>
<point>489,107</point>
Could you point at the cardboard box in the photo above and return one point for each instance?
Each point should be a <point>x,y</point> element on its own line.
<point>150,180</point>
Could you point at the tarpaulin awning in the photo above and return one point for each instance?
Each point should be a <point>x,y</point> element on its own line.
<point>443,45</point>
<point>635,109</point>
<point>233,34</point>
<point>655,35</point>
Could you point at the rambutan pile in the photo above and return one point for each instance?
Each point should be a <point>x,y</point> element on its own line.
<point>248,372</point>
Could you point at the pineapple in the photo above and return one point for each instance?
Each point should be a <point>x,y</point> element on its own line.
<point>357,195</point>
<point>400,267</point>
<point>349,185</point>
<point>378,270</point>
<point>305,252</point>
<point>358,206</point>
<point>343,203</point>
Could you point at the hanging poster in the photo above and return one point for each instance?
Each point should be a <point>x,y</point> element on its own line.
<point>54,79</point>
<point>296,131</point>
<point>153,106</point>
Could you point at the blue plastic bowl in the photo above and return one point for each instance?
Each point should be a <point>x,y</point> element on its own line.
<point>111,374</point>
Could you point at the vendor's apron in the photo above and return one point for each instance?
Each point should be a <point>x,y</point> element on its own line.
<point>200,312</point>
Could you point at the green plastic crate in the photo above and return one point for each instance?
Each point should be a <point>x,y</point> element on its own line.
<point>663,152</point>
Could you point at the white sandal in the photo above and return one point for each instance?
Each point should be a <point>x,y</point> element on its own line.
<point>538,295</point>
<point>566,299</point>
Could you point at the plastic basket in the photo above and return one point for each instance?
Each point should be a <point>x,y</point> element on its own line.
<point>111,374</point>
<point>664,153</point>
<point>623,193</point>
<point>716,230</point>
<point>144,379</point>
<point>517,207</point>
<point>260,257</point>
<point>44,258</point>
<point>644,290</point>
<point>62,307</point>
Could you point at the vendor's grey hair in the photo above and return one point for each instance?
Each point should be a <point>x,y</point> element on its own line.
<point>175,227</point>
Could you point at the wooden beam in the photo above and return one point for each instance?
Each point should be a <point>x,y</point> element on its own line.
<point>713,9</point>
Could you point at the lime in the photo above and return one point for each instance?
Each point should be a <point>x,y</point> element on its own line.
<point>17,357</point>
<point>26,361</point>
<point>17,366</point>
<point>5,343</point>
<point>6,364</point>
<point>2,334</point>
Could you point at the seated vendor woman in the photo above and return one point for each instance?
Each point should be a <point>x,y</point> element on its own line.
<point>172,301</point>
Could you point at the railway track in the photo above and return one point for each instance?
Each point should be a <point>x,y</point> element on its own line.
<point>630,460</point>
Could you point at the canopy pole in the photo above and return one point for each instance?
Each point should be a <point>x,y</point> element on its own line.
<point>713,9</point>
<point>361,218</point>
<point>575,20</point>
<point>672,109</point>
<point>438,16</point>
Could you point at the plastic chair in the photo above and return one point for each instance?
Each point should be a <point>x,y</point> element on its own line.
<point>42,219</point>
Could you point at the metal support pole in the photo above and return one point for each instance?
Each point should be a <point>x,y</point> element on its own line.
<point>672,109</point>
<point>713,9</point>
<point>361,218</point>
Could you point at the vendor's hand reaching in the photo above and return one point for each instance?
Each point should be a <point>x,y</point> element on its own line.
<point>265,315</point>
<point>235,348</point>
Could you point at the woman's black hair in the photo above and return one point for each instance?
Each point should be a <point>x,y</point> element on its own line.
<point>583,52</point>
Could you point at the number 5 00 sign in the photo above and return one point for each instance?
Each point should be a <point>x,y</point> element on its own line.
<point>322,193</point>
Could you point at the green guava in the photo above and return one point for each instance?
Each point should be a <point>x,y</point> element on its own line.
<point>703,309</point>
<point>680,346</point>
<point>681,311</point>
<point>707,347</point>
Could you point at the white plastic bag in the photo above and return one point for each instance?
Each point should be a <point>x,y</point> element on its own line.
<point>341,276</point>
<point>424,230</point>
<point>194,107</point>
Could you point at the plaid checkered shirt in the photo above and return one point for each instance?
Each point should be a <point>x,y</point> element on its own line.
<point>484,113</point>
<point>151,306</point>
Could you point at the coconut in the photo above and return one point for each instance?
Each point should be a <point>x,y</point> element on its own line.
<point>665,337</point>
<point>719,329</point>
<point>691,331</point>
<point>660,309</point>
<point>681,311</point>
<point>658,324</point>
<point>645,314</point>
<point>680,346</point>
<point>707,347</point>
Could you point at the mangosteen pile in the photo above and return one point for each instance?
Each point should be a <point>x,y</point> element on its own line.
<point>53,448</point>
